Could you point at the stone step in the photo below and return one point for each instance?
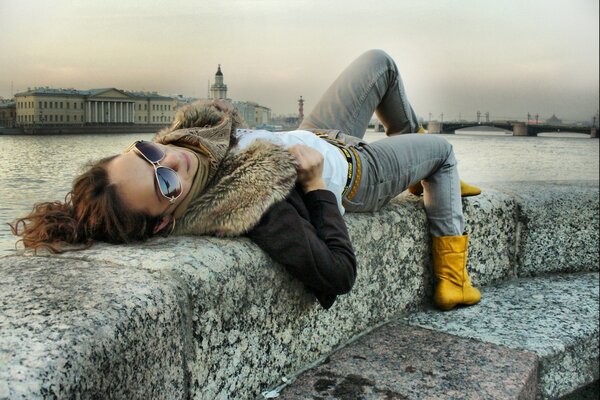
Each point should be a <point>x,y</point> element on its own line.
<point>528,338</point>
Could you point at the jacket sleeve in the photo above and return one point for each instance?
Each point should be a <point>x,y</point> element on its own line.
<point>314,247</point>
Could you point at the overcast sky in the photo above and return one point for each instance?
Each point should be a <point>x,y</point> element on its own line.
<point>508,57</point>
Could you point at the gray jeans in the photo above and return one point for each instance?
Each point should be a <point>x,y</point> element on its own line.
<point>371,84</point>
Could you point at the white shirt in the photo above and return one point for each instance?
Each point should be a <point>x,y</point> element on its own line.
<point>335,166</point>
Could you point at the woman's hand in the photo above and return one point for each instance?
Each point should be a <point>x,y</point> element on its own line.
<point>310,167</point>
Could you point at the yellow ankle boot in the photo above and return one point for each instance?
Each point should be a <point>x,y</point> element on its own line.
<point>450,268</point>
<point>466,190</point>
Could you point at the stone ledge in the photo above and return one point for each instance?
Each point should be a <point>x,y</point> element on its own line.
<point>399,361</point>
<point>488,351</point>
<point>555,317</point>
<point>231,323</point>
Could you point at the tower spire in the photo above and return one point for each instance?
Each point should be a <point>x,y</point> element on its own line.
<point>218,90</point>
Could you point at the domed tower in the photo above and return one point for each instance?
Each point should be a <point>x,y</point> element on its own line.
<point>218,90</point>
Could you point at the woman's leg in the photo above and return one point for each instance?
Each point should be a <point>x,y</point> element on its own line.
<point>393,164</point>
<point>370,84</point>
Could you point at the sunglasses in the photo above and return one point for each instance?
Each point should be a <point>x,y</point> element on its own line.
<point>169,183</point>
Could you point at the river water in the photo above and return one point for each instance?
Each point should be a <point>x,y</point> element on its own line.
<point>41,168</point>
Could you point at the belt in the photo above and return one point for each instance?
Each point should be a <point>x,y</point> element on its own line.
<point>354,166</point>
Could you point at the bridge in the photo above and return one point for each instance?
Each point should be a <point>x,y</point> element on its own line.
<point>516,127</point>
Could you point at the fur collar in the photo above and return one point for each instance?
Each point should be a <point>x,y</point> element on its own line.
<point>242,185</point>
<point>247,183</point>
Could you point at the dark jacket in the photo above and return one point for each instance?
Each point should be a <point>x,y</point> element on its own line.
<point>307,235</point>
<point>252,191</point>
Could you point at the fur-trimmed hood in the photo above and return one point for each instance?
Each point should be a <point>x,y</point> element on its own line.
<point>242,183</point>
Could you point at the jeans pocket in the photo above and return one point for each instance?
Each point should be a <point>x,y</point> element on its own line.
<point>353,205</point>
<point>370,198</point>
<point>382,193</point>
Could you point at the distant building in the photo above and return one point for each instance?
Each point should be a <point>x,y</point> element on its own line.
<point>553,120</point>
<point>286,122</point>
<point>218,90</point>
<point>253,113</point>
<point>8,113</point>
<point>51,106</point>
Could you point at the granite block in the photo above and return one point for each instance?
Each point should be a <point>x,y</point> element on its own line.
<point>398,361</point>
<point>491,223</point>
<point>559,226</point>
<point>242,322</point>
<point>253,323</point>
<point>556,317</point>
<point>72,329</point>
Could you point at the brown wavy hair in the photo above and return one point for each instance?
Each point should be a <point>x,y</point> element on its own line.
<point>92,211</point>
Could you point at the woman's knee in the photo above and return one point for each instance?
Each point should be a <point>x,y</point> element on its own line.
<point>376,57</point>
<point>444,147</point>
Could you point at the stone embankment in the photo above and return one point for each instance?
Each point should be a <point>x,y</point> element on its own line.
<point>209,318</point>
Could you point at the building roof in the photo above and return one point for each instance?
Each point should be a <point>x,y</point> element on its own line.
<point>145,95</point>
<point>7,103</point>
<point>89,92</point>
<point>219,73</point>
<point>49,90</point>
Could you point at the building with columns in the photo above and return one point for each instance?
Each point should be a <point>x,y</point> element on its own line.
<point>50,106</point>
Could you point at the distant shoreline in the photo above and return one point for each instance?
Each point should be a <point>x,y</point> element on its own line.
<point>150,129</point>
<point>81,130</point>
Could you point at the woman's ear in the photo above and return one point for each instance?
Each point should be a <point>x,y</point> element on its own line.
<point>160,225</point>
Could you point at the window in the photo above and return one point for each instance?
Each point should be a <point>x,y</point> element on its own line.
<point>74,117</point>
<point>61,118</point>
<point>67,105</point>
<point>50,104</point>
<point>45,104</point>
<point>139,107</point>
<point>68,117</point>
<point>61,105</point>
<point>40,104</point>
<point>145,107</point>
<point>50,118</point>
<point>145,119</point>
<point>74,106</point>
<point>139,118</point>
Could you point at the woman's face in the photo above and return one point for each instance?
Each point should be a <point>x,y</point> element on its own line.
<point>136,182</point>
